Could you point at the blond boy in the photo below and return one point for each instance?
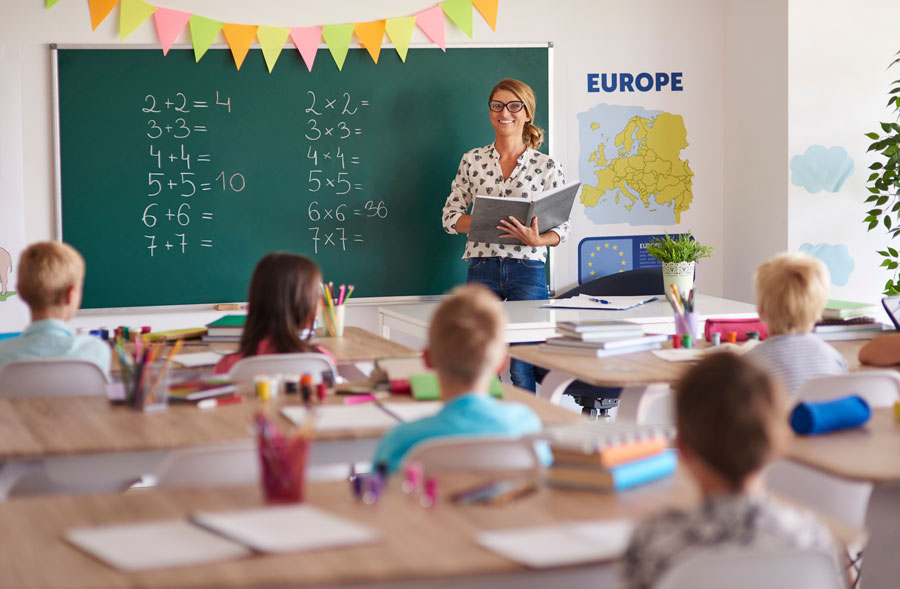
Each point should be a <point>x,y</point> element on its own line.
<point>731,421</point>
<point>791,293</point>
<point>50,278</point>
<point>466,349</point>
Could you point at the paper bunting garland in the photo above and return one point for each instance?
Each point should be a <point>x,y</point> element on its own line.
<point>204,31</point>
<point>169,24</point>
<point>306,40</point>
<point>271,40</point>
<point>100,9</point>
<point>239,39</point>
<point>399,31</point>
<point>132,14</point>
<point>337,37</point>
<point>488,10</point>
<point>370,35</point>
<point>431,22</point>
<point>460,12</point>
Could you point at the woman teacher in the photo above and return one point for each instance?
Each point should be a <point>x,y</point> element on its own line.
<point>513,168</point>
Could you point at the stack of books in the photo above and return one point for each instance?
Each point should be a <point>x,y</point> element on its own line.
<point>225,329</point>
<point>847,320</point>
<point>609,457</point>
<point>602,338</point>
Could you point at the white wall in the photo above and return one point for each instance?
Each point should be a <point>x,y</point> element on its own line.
<point>602,33</point>
<point>839,53</point>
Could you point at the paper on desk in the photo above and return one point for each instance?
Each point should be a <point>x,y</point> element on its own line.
<point>413,411</point>
<point>145,546</point>
<point>605,303</point>
<point>343,417</point>
<point>288,528</point>
<point>198,359</point>
<point>560,545</point>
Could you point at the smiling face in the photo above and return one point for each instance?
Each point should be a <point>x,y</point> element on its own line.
<point>508,123</point>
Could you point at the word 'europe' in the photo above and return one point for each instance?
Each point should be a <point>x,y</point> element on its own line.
<point>643,82</point>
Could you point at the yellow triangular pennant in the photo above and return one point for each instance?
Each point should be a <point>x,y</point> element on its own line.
<point>132,15</point>
<point>272,39</point>
<point>203,33</point>
<point>399,31</point>
<point>337,37</point>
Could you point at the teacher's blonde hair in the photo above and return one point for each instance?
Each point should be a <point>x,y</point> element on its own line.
<point>532,135</point>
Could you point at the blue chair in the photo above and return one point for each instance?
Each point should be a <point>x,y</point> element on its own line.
<point>644,281</point>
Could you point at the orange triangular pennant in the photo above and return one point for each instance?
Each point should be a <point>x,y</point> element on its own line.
<point>100,9</point>
<point>239,38</point>
<point>488,10</point>
<point>371,34</point>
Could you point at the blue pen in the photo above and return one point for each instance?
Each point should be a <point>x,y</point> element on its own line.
<point>601,301</point>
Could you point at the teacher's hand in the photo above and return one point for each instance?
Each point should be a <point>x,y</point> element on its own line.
<point>527,234</point>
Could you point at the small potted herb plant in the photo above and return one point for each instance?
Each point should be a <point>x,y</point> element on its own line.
<point>678,255</point>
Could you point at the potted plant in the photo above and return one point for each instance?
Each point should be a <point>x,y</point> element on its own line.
<point>678,256</point>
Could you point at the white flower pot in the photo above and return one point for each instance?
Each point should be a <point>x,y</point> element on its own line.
<point>681,274</point>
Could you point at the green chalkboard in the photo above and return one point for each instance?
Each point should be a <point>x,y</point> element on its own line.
<point>176,176</point>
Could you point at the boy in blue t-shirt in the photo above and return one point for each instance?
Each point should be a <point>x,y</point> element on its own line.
<point>50,278</point>
<point>466,348</point>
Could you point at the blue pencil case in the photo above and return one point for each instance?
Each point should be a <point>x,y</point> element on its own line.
<point>821,417</point>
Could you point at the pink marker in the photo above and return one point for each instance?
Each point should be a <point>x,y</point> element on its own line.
<point>412,477</point>
<point>341,297</point>
<point>359,399</point>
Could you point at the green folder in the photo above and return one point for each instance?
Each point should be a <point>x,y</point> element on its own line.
<point>425,387</point>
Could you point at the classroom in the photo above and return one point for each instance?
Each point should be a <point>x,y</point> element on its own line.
<point>762,109</point>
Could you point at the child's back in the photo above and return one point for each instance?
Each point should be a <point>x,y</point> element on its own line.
<point>50,280</point>
<point>465,347</point>
<point>730,418</point>
<point>791,293</point>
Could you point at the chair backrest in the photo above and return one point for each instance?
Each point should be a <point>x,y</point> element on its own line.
<point>308,362</point>
<point>210,466</point>
<point>880,388</point>
<point>475,453</point>
<point>753,569</point>
<point>51,377</point>
<point>643,281</point>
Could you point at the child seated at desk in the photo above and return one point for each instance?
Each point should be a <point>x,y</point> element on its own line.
<point>51,275</point>
<point>283,299</point>
<point>730,417</point>
<point>791,293</point>
<point>465,347</point>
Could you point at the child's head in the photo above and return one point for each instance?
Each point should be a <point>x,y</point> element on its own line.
<point>51,274</point>
<point>465,340</point>
<point>791,292</point>
<point>731,419</point>
<point>283,298</point>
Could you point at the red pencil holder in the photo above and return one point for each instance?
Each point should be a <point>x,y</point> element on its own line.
<point>282,464</point>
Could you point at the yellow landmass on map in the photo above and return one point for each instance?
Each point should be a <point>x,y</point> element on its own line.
<point>653,171</point>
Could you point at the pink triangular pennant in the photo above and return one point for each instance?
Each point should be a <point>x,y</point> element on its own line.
<point>306,40</point>
<point>169,24</point>
<point>431,22</point>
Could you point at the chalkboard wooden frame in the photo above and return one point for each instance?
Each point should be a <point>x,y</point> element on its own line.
<point>58,155</point>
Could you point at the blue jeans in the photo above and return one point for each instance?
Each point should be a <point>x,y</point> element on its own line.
<point>512,279</point>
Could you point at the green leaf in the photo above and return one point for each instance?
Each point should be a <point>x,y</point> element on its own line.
<point>887,222</point>
<point>872,225</point>
<point>872,135</point>
<point>886,127</point>
<point>882,253</point>
<point>876,166</point>
<point>893,266</point>
<point>884,263</point>
<point>881,200</point>
<point>893,251</point>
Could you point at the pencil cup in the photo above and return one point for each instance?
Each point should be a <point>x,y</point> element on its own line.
<point>283,468</point>
<point>687,325</point>
<point>149,389</point>
<point>333,320</point>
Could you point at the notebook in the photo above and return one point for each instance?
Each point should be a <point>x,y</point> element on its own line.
<point>342,417</point>
<point>541,547</point>
<point>551,207</point>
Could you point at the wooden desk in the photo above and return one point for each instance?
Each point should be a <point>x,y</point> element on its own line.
<point>528,322</point>
<point>868,454</point>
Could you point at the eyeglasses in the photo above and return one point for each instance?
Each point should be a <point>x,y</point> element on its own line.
<point>513,106</point>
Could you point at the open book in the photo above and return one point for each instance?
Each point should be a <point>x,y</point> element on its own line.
<point>551,207</point>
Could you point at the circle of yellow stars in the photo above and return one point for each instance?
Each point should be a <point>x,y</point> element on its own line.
<point>606,245</point>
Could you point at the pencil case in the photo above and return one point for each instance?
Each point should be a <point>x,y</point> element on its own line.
<point>740,326</point>
<point>813,418</point>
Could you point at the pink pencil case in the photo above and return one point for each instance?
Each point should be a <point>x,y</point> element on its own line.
<point>740,326</point>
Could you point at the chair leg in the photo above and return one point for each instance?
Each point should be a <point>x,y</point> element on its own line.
<point>554,385</point>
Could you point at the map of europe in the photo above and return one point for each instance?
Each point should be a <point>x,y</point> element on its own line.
<point>630,164</point>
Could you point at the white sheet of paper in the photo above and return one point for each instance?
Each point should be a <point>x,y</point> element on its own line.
<point>145,546</point>
<point>343,417</point>
<point>198,359</point>
<point>288,528</point>
<point>413,411</point>
<point>694,354</point>
<point>561,545</point>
